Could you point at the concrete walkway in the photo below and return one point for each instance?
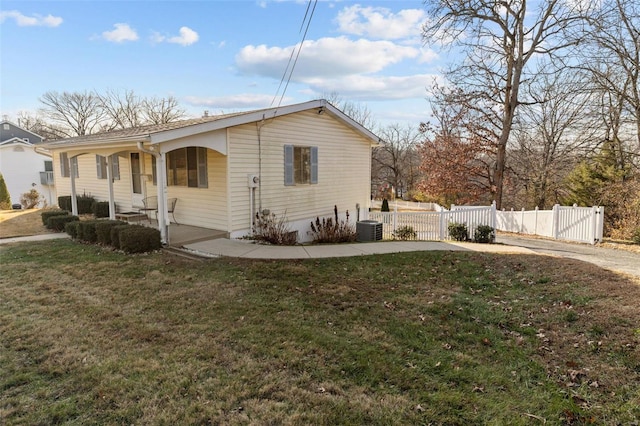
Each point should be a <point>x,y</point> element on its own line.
<point>251,250</point>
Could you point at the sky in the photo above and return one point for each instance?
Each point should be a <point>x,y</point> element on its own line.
<point>220,56</point>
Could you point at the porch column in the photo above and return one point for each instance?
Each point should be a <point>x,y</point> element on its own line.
<point>112,203</point>
<point>161,173</point>
<point>74,199</point>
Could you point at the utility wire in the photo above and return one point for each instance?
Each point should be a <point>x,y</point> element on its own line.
<point>308,21</point>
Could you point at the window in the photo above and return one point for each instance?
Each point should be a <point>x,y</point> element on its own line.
<point>101,166</point>
<point>48,165</point>
<point>300,165</point>
<point>187,167</point>
<point>65,165</point>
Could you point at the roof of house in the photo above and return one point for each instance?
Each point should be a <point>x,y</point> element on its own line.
<point>165,132</point>
<point>19,127</point>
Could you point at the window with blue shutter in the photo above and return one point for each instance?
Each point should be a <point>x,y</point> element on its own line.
<point>288,165</point>
<point>300,165</point>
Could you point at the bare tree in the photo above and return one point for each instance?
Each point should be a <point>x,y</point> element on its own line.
<point>396,161</point>
<point>357,111</point>
<point>76,114</point>
<point>551,136</point>
<point>612,57</point>
<point>501,39</point>
<point>123,110</point>
<point>37,125</point>
<point>161,110</point>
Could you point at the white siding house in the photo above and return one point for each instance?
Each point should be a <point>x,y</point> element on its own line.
<point>305,159</point>
<point>23,165</point>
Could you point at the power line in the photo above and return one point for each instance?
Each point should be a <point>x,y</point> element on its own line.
<point>304,36</point>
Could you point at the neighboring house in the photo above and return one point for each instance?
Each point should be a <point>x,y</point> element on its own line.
<point>296,161</point>
<point>24,164</point>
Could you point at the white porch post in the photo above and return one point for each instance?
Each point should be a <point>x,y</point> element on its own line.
<point>161,173</point>
<point>112,203</point>
<point>74,199</point>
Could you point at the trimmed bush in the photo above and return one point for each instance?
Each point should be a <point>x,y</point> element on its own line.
<point>484,234</point>
<point>58,223</point>
<point>103,230</point>
<point>385,205</point>
<point>64,202</point>
<point>458,231</point>
<point>50,213</point>
<point>139,239</point>
<point>115,234</point>
<point>5,197</point>
<point>87,231</point>
<point>100,209</point>
<point>85,203</point>
<point>636,236</point>
<point>71,228</point>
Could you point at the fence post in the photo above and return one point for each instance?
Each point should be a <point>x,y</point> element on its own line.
<point>521,221</point>
<point>441,215</point>
<point>395,218</point>
<point>535,226</point>
<point>512,224</point>
<point>493,219</point>
<point>555,225</point>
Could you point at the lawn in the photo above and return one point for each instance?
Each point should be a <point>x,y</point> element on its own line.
<point>91,336</point>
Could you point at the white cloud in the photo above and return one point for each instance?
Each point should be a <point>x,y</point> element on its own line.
<point>120,34</point>
<point>380,22</point>
<point>30,21</point>
<point>324,57</point>
<point>187,37</point>
<point>375,87</point>
<point>239,101</point>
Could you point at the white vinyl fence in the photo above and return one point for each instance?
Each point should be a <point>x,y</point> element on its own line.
<point>581,224</point>
<point>433,225</point>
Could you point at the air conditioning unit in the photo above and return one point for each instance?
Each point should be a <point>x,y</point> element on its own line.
<point>253,181</point>
<point>369,230</point>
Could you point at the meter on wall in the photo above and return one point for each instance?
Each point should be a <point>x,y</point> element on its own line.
<point>253,181</point>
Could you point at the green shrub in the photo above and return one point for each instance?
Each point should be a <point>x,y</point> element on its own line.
<point>5,197</point>
<point>484,234</point>
<point>385,205</point>
<point>58,223</point>
<point>333,230</point>
<point>405,233</point>
<point>139,239</point>
<point>103,230</point>
<point>64,202</point>
<point>115,234</point>
<point>85,204</point>
<point>458,231</point>
<point>87,231</point>
<point>100,209</point>
<point>71,228</point>
<point>50,213</point>
<point>636,236</point>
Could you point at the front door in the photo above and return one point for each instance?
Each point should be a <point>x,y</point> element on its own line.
<point>136,180</point>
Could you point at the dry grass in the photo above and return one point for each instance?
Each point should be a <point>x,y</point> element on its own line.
<point>90,336</point>
<point>20,223</point>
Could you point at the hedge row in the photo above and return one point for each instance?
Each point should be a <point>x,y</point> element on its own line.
<point>115,233</point>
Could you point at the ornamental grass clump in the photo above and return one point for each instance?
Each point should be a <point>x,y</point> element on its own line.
<point>273,230</point>
<point>333,230</point>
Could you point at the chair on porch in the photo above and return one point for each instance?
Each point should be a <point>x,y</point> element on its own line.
<point>151,205</point>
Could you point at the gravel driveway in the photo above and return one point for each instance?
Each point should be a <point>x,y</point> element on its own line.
<point>616,260</point>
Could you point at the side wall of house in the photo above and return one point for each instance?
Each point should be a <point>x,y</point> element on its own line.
<point>20,166</point>
<point>344,170</point>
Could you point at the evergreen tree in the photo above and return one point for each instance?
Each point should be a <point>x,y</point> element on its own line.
<point>5,198</point>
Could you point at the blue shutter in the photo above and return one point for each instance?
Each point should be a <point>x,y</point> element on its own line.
<point>203,181</point>
<point>288,165</point>
<point>314,164</point>
<point>115,167</point>
<point>99,167</point>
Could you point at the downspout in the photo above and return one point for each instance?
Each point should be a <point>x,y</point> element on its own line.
<point>162,192</point>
